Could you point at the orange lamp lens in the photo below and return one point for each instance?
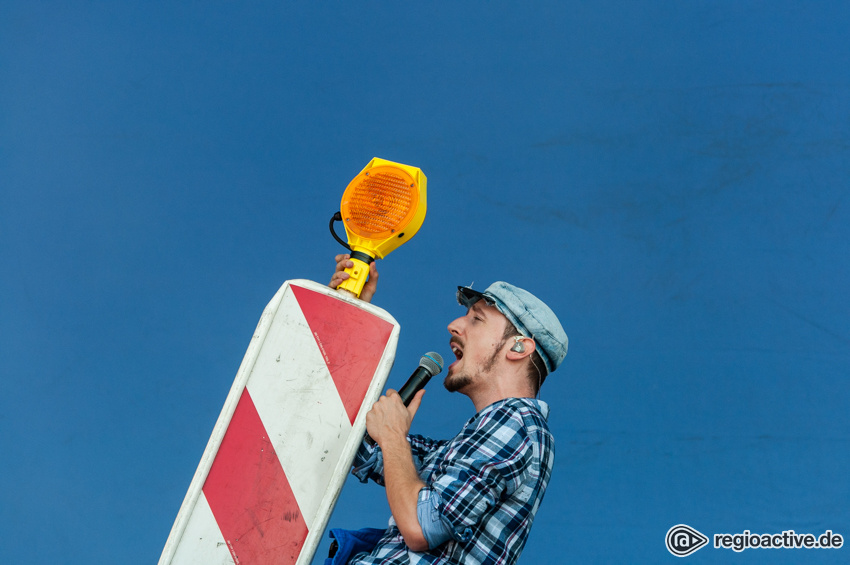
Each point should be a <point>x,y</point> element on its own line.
<point>379,202</point>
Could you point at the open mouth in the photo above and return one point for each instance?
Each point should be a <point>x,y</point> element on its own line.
<point>456,348</point>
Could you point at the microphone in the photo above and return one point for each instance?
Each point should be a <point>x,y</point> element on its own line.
<point>429,365</point>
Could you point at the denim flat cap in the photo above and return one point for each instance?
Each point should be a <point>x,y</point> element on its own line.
<point>528,313</point>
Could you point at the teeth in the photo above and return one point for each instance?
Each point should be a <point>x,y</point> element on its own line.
<point>458,353</point>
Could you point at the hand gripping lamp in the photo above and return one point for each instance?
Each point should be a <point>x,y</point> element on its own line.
<point>383,207</point>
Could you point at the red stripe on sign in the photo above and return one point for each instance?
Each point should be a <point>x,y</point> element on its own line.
<point>250,496</point>
<point>351,341</point>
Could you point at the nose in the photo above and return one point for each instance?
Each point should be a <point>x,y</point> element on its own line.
<point>456,326</point>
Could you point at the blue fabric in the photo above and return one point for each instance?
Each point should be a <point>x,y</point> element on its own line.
<point>485,486</point>
<point>352,542</point>
<point>434,528</point>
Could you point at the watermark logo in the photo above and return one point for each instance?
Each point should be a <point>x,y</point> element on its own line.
<point>683,540</point>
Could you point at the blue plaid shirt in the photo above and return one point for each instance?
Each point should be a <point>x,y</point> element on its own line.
<point>482,490</point>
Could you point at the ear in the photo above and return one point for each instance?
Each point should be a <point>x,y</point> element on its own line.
<point>527,347</point>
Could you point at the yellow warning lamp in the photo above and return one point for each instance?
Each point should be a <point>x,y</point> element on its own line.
<point>383,207</point>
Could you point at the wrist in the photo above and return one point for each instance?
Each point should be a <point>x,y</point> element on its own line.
<point>393,441</point>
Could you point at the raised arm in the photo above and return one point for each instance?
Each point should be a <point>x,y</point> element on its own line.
<point>388,423</point>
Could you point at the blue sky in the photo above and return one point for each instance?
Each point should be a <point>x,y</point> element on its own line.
<point>669,176</point>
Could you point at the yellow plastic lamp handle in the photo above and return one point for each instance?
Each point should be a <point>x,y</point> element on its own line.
<point>358,274</point>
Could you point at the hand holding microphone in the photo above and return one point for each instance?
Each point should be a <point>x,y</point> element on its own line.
<point>429,365</point>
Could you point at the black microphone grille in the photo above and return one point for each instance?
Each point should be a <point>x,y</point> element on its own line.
<point>432,361</point>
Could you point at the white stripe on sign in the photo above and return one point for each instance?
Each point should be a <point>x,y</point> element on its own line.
<point>299,405</point>
<point>202,541</point>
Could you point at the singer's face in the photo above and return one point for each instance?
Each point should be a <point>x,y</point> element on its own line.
<point>476,340</point>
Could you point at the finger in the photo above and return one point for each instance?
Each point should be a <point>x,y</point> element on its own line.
<point>342,262</point>
<point>371,284</point>
<point>414,404</point>
<point>373,273</point>
<point>338,278</point>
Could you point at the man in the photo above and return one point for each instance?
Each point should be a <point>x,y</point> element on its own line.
<point>470,499</point>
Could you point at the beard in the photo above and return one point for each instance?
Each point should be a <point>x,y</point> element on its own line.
<point>456,382</point>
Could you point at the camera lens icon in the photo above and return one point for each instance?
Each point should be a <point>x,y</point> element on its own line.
<point>683,540</point>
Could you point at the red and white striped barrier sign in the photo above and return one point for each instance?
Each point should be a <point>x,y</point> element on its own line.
<point>284,442</point>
